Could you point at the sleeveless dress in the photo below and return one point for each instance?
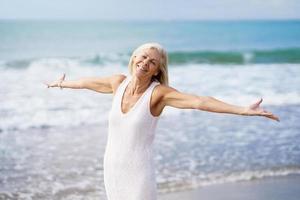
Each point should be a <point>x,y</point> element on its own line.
<point>129,172</point>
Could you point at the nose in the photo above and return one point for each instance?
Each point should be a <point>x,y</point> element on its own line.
<point>146,61</point>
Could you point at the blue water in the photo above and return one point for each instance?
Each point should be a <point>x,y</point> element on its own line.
<point>31,39</point>
<point>52,141</point>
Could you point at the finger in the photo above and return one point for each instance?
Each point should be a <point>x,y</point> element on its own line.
<point>274,118</point>
<point>266,113</point>
<point>256,104</point>
<point>259,102</point>
<point>271,116</point>
<point>63,77</point>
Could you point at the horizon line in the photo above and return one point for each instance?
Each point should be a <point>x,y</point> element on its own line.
<point>149,20</point>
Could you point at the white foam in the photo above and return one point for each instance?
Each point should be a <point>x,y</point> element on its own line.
<point>244,84</point>
<point>28,103</point>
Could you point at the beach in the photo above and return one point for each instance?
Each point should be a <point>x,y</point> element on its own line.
<point>279,188</point>
<point>52,141</point>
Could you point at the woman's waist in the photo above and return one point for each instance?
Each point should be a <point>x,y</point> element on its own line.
<point>129,144</point>
<point>125,156</point>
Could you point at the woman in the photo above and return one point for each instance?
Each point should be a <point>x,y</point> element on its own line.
<point>139,100</point>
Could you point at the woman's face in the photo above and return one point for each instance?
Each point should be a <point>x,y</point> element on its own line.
<point>146,63</point>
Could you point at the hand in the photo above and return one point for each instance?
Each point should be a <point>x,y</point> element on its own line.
<point>256,110</point>
<point>56,83</point>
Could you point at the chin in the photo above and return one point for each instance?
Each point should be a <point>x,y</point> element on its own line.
<point>138,75</point>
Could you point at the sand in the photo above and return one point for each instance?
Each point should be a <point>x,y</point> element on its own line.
<point>273,188</point>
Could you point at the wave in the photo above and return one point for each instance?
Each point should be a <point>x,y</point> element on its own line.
<point>220,178</point>
<point>291,55</point>
<point>280,56</point>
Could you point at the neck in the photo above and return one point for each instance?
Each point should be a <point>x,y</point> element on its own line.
<point>138,86</point>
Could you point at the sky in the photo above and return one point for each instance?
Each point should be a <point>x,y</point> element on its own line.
<point>150,9</point>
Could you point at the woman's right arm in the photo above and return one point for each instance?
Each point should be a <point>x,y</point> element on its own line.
<point>99,84</point>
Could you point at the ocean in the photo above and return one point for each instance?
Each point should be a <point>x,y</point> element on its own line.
<point>52,141</point>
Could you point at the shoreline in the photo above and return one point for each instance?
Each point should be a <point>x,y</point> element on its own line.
<point>275,188</point>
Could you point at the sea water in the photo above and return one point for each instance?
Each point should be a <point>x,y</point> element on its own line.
<point>52,141</point>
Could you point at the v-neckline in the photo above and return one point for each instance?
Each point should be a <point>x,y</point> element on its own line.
<point>135,104</point>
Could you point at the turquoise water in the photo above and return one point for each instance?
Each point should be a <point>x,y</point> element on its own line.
<point>212,41</point>
<point>52,141</point>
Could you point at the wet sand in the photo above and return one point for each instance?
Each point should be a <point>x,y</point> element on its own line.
<point>273,188</point>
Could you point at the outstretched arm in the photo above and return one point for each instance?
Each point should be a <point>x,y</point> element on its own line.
<point>98,84</point>
<point>174,98</point>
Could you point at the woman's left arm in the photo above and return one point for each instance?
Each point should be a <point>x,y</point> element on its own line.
<point>172,97</point>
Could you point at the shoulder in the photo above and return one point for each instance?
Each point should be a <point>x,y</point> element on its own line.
<point>159,98</point>
<point>161,92</point>
<point>163,89</point>
<point>116,80</point>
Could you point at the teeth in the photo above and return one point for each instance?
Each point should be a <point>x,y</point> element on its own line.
<point>141,68</point>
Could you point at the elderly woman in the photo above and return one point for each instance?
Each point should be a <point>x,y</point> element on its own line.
<point>139,100</point>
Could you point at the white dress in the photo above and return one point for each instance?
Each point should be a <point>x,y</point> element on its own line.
<point>129,172</point>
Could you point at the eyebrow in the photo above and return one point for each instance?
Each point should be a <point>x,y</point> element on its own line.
<point>151,58</point>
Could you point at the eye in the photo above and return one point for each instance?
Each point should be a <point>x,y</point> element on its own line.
<point>143,56</point>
